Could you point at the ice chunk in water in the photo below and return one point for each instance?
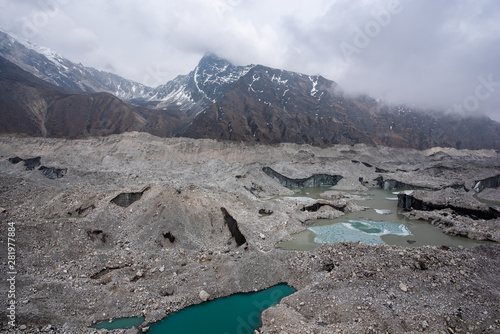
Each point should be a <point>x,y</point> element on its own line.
<point>365,231</point>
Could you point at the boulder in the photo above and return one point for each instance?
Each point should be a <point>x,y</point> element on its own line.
<point>167,291</point>
<point>204,296</point>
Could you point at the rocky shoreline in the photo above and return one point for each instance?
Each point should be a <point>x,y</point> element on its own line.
<point>139,226</point>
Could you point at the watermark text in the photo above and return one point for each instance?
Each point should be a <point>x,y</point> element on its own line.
<point>483,91</point>
<point>364,35</point>
<point>222,7</point>
<point>48,9</point>
<point>11,274</point>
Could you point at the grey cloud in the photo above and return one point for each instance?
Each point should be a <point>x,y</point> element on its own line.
<point>430,53</point>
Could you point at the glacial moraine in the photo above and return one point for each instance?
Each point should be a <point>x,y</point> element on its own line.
<point>154,257</point>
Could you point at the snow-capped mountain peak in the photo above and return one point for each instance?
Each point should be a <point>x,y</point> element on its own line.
<point>219,100</point>
<point>209,81</point>
<point>54,68</point>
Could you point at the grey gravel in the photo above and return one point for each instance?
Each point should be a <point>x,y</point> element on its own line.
<point>82,259</point>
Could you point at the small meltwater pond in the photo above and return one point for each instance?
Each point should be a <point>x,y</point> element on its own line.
<point>235,314</point>
<point>382,223</point>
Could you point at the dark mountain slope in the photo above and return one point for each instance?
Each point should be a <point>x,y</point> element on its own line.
<point>272,106</point>
<point>217,100</point>
<point>53,68</point>
<point>29,105</point>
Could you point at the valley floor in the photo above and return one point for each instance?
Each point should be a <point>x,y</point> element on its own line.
<point>139,225</point>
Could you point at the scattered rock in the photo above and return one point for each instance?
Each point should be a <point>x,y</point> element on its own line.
<point>53,173</point>
<point>403,287</point>
<point>265,212</point>
<point>97,236</point>
<point>15,160</point>
<point>204,296</point>
<point>167,291</point>
<point>30,163</point>
<point>169,236</point>
<point>204,258</point>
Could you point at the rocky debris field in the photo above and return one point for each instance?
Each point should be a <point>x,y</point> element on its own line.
<point>357,288</point>
<point>142,226</point>
<point>456,212</point>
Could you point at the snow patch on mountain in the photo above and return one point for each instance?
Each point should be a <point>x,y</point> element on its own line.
<point>278,79</point>
<point>314,90</point>
<point>255,78</point>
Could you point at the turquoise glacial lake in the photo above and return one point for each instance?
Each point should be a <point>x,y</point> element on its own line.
<point>235,314</point>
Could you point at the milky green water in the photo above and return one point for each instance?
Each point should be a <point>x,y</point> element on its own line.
<point>235,314</point>
<point>382,223</point>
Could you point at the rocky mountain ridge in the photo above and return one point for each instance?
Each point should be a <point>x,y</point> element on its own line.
<point>194,92</point>
<point>222,101</point>
<point>77,78</point>
<point>31,106</point>
<point>270,106</point>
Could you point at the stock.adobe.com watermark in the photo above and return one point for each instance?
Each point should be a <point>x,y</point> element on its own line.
<point>155,75</point>
<point>364,35</point>
<point>11,274</point>
<point>222,7</point>
<point>253,319</point>
<point>47,10</point>
<point>483,91</point>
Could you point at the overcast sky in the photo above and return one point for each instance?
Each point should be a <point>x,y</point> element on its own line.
<point>427,52</point>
